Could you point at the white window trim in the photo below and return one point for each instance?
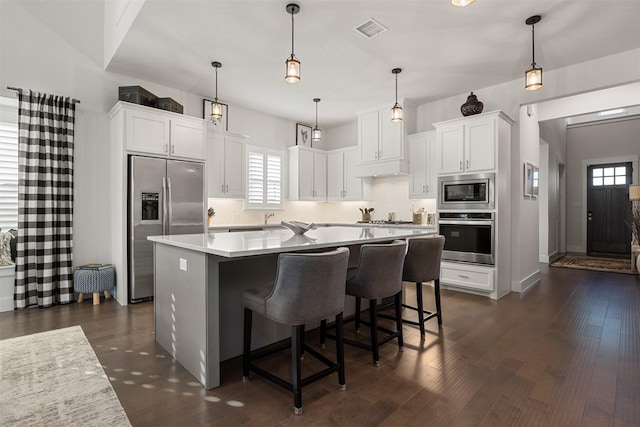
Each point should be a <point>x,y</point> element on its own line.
<point>9,162</point>
<point>266,152</point>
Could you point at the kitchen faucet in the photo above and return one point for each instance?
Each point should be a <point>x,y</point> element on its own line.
<point>268,215</point>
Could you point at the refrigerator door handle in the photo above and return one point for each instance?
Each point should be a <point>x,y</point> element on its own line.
<point>164,205</point>
<point>169,205</point>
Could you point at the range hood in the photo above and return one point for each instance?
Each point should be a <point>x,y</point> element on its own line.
<point>380,169</point>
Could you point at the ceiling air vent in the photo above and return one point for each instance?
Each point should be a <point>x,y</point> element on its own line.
<point>371,28</point>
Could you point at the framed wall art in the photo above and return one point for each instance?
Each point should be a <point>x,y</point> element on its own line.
<point>223,123</point>
<point>303,135</point>
<point>531,181</point>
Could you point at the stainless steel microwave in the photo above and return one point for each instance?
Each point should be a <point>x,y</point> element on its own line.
<point>469,192</point>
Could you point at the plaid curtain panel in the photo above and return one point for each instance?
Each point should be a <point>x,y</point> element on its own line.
<point>44,273</point>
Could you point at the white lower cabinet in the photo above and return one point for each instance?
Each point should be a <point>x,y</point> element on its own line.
<point>469,276</point>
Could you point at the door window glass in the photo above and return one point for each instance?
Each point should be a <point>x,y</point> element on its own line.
<point>609,176</point>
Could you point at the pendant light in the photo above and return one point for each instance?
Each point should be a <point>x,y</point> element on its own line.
<point>316,134</point>
<point>216,107</point>
<point>292,68</point>
<point>396,111</point>
<point>533,76</point>
<point>461,3</point>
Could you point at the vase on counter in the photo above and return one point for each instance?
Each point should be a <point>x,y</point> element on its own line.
<point>366,217</point>
<point>472,106</point>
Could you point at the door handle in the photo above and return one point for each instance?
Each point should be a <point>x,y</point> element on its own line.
<point>164,205</point>
<point>589,216</point>
<point>169,207</point>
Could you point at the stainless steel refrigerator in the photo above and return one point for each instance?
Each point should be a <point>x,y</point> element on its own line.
<point>165,197</point>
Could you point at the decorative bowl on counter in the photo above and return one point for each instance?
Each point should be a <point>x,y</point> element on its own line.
<point>298,227</point>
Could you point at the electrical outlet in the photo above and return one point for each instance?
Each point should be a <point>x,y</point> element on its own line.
<point>183,264</point>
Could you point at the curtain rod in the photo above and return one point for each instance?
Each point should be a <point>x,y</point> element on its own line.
<point>17,89</point>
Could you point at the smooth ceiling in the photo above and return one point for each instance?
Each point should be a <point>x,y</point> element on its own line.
<point>443,50</point>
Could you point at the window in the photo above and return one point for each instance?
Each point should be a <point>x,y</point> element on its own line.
<point>8,165</point>
<point>264,179</point>
<point>610,176</point>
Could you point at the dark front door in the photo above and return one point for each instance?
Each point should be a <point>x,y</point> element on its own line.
<point>607,205</point>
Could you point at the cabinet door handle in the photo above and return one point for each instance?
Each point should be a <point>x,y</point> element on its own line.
<point>463,276</point>
<point>222,188</point>
<point>460,164</point>
<point>226,188</point>
<point>467,164</point>
<point>426,188</point>
<point>166,148</point>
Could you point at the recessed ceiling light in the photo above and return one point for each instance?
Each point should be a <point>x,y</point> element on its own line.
<point>611,112</point>
<point>461,3</point>
<point>371,28</point>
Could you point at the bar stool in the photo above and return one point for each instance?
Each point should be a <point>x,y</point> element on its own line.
<point>422,264</point>
<point>378,275</point>
<point>308,288</point>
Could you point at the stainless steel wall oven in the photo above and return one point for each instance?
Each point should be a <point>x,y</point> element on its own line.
<point>469,236</point>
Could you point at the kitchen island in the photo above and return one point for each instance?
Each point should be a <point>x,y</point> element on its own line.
<point>199,280</point>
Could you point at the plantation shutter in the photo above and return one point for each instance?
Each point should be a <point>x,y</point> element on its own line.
<point>8,175</point>
<point>264,180</point>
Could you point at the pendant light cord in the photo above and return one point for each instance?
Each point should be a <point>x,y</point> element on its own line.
<point>216,84</point>
<point>533,45</point>
<point>316,115</point>
<point>396,88</point>
<point>292,50</point>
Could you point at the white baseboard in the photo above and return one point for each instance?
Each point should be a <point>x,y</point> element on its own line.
<point>526,283</point>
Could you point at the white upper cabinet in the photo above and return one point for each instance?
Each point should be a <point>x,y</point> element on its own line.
<point>188,138</point>
<point>469,144</point>
<point>342,185</point>
<point>151,131</point>
<point>423,172</point>
<point>307,174</point>
<point>225,164</point>
<point>379,137</point>
<point>382,143</point>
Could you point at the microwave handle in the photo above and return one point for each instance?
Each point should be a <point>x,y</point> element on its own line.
<point>466,222</point>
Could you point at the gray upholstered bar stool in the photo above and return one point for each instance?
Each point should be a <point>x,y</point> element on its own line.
<point>378,275</point>
<point>422,264</point>
<point>308,288</point>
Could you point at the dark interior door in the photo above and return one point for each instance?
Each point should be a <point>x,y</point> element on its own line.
<point>607,205</point>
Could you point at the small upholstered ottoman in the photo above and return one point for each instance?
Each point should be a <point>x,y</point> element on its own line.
<point>94,278</point>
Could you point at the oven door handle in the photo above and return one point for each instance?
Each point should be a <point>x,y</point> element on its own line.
<point>466,222</point>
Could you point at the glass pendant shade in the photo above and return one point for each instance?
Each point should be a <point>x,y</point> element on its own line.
<point>533,78</point>
<point>396,113</point>
<point>461,3</point>
<point>216,110</point>
<point>316,134</point>
<point>292,70</point>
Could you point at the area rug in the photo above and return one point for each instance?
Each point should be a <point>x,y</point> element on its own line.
<point>582,262</point>
<point>55,379</point>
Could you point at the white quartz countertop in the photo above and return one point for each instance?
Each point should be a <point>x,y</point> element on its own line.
<point>276,240</point>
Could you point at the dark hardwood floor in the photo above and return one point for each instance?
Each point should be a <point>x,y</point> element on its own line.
<point>567,353</point>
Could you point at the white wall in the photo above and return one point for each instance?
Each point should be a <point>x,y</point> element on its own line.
<point>593,144</point>
<point>35,57</point>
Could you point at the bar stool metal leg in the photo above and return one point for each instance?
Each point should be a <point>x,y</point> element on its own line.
<point>373,324</point>
<point>296,369</point>
<point>436,288</point>
<point>398,305</point>
<point>358,307</point>
<point>420,307</point>
<point>340,351</point>
<point>248,317</point>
